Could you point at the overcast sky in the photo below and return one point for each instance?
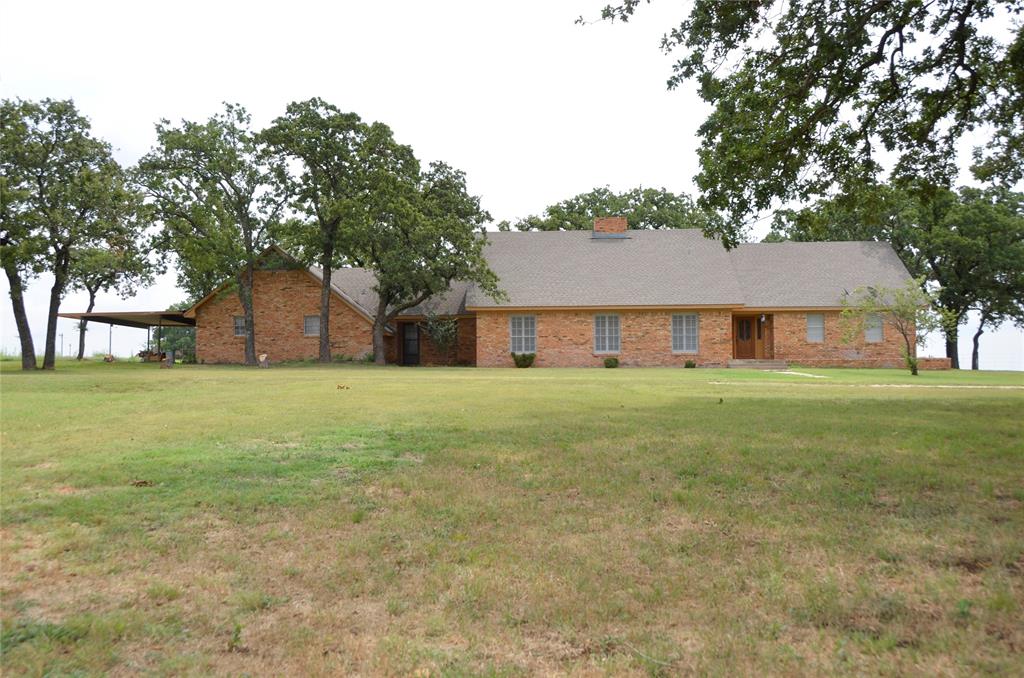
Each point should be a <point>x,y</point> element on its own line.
<point>533,107</point>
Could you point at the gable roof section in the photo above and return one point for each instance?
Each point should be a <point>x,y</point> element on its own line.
<point>813,274</point>
<point>678,268</point>
<point>358,283</point>
<point>313,271</point>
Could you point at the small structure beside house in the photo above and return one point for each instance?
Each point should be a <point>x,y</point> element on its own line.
<point>574,298</point>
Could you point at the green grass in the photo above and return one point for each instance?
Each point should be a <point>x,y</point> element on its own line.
<point>510,522</point>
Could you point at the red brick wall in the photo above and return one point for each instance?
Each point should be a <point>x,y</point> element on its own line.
<point>791,344</point>
<point>464,352</point>
<point>610,225</point>
<point>566,339</point>
<point>934,364</point>
<point>280,300</point>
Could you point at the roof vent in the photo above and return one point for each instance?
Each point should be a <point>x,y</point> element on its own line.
<point>610,228</point>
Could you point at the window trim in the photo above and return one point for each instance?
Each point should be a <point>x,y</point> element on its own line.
<point>306,317</point>
<point>234,326</point>
<point>618,334</point>
<point>672,334</point>
<point>868,327</point>
<point>807,328</point>
<point>511,340</point>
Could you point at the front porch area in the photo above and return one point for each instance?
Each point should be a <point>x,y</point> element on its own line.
<point>753,345</point>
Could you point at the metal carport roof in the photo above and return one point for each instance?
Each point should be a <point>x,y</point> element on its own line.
<point>139,319</point>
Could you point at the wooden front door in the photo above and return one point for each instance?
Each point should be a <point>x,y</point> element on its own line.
<point>743,332</point>
<point>410,344</point>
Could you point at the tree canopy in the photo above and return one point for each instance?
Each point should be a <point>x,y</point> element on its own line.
<point>122,266</point>
<point>324,163</point>
<point>807,95</point>
<point>643,208</point>
<point>423,231</point>
<point>63,192</point>
<point>208,184</point>
<point>968,244</point>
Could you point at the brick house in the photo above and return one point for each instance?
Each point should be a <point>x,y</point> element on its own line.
<point>574,298</point>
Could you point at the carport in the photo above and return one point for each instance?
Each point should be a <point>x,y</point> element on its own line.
<point>146,320</point>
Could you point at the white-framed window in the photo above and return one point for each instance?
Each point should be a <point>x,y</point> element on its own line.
<point>522,331</point>
<point>311,325</point>
<point>239,322</point>
<point>873,328</point>
<point>816,328</point>
<point>684,333</point>
<point>606,334</point>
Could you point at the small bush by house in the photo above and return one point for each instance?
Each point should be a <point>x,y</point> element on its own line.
<point>524,359</point>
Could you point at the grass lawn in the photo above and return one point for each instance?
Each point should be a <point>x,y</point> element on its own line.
<point>353,519</point>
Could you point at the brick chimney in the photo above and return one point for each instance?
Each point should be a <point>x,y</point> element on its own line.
<point>610,225</point>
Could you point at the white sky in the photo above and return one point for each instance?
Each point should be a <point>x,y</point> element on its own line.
<point>533,107</point>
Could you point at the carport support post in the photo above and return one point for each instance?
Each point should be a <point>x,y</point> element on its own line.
<point>110,339</point>
<point>159,335</point>
<point>148,330</point>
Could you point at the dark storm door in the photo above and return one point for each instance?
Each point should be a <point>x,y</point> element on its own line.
<point>743,331</point>
<point>410,344</point>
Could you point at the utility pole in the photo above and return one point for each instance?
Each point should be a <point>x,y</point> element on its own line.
<point>110,339</point>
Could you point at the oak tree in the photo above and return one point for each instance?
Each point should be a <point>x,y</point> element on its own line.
<point>808,94</point>
<point>966,243</point>
<point>66,193</point>
<point>423,231</point>
<point>208,184</point>
<point>321,156</point>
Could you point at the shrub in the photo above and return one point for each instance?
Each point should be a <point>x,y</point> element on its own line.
<point>909,360</point>
<point>523,359</point>
<point>611,362</point>
<point>690,363</point>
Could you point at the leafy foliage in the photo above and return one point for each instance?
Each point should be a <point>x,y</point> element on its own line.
<point>63,192</point>
<point>908,310</point>
<point>443,331</point>
<point>611,362</point>
<point>181,340</point>
<point>808,93</point>
<point>207,182</point>
<point>323,159</point>
<point>524,359</point>
<point>122,267</point>
<point>423,232</point>
<point>968,243</point>
<point>643,208</point>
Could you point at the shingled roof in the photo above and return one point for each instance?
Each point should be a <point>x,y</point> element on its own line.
<point>812,274</point>
<point>678,267</point>
<point>356,286</point>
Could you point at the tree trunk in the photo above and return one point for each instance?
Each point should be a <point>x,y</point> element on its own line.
<point>245,296</point>
<point>380,321</point>
<point>976,341</point>
<point>83,323</point>
<point>28,349</point>
<point>56,292</point>
<point>952,350</point>
<point>325,305</point>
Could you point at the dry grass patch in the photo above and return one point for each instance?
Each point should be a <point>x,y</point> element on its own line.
<point>465,522</point>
